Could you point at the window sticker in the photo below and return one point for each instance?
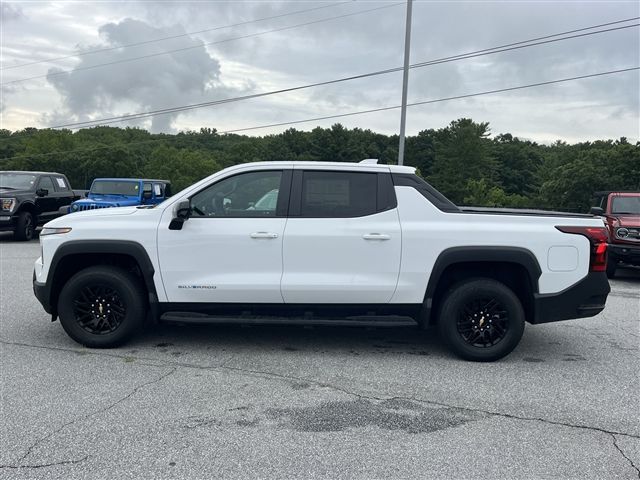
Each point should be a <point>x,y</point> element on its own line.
<point>61,183</point>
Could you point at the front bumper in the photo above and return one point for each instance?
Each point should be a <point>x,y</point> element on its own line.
<point>584,299</point>
<point>7,222</point>
<point>41,291</point>
<point>625,253</point>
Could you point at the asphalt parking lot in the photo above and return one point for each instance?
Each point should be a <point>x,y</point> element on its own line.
<point>292,402</point>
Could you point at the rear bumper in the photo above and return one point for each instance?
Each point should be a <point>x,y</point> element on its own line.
<point>625,253</point>
<point>584,299</point>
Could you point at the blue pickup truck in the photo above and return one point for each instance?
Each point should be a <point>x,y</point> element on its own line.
<point>122,192</point>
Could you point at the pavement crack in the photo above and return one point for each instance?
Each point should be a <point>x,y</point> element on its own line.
<point>633,465</point>
<point>40,440</point>
<point>45,465</point>
<point>223,366</point>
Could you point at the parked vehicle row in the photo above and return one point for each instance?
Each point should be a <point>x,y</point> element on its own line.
<point>31,199</point>
<point>621,211</point>
<point>318,243</point>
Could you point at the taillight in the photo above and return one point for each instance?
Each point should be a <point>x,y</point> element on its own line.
<point>598,237</point>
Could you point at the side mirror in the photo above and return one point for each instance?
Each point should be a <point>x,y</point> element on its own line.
<point>182,212</point>
<point>596,211</point>
<point>147,194</point>
<point>42,192</point>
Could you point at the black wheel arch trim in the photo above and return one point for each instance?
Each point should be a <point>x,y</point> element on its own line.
<point>119,247</point>
<point>479,254</point>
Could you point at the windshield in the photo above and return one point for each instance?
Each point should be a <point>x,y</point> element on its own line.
<point>628,205</point>
<point>17,181</point>
<point>113,187</point>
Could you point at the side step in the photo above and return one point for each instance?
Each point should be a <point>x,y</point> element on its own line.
<point>359,321</point>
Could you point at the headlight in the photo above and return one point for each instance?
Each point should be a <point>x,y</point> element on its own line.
<point>54,231</point>
<point>622,232</point>
<point>8,204</point>
<point>74,208</point>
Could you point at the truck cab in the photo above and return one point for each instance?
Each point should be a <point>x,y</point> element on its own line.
<point>621,211</point>
<point>123,192</point>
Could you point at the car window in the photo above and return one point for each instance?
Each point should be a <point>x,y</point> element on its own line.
<point>252,194</point>
<point>626,205</point>
<point>338,194</point>
<point>60,184</point>
<point>157,189</point>
<point>45,182</point>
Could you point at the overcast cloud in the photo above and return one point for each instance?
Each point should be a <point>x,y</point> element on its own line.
<point>606,107</point>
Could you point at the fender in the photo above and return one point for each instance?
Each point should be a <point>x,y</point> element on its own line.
<point>488,254</point>
<point>122,247</point>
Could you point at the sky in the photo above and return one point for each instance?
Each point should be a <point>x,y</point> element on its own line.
<point>227,49</point>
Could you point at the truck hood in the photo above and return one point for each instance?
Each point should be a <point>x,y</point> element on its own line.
<point>8,192</point>
<point>68,220</point>
<point>627,220</point>
<point>115,201</point>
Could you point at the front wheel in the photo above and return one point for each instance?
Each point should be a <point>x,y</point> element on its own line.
<point>481,320</point>
<point>25,227</point>
<point>102,306</point>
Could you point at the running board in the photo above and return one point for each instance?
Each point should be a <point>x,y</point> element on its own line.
<point>360,321</point>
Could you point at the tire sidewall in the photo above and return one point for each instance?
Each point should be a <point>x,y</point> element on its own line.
<point>464,292</point>
<point>25,228</point>
<point>130,292</point>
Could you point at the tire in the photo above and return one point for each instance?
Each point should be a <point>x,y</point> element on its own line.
<point>25,227</point>
<point>117,300</point>
<point>463,321</point>
<point>612,265</point>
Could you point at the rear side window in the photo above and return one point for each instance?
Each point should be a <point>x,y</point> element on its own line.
<point>60,184</point>
<point>426,190</point>
<point>338,194</point>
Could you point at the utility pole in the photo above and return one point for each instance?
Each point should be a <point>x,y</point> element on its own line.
<point>405,82</point>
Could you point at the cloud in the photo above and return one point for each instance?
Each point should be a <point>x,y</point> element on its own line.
<point>148,84</point>
<point>9,12</point>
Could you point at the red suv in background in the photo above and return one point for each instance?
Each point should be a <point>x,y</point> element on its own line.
<point>622,217</point>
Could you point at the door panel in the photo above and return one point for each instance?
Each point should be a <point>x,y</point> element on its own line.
<point>230,250</point>
<point>220,260</point>
<point>330,256</point>
<point>47,206</point>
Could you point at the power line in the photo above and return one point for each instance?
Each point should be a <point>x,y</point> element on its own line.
<point>146,42</point>
<point>226,40</point>
<point>463,56</point>
<point>342,115</point>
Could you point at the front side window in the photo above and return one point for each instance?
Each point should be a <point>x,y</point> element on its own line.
<point>253,194</point>
<point>46,183</point>
<point>338,194</point>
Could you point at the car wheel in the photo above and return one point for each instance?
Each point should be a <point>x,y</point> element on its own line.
<point>481,320</point>
<point>612,265</point>
<point>25,227</point>
<point>102,306</point>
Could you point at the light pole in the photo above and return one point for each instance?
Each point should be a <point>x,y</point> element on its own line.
<point>405,82</point>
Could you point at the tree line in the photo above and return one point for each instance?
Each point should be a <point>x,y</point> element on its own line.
<point>462,160</point>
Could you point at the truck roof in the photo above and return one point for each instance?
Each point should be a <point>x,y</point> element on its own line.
<point>113,179</point>
<point>624,193</point>
<point>30,172</point>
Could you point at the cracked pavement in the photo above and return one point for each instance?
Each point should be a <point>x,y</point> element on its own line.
<point>291,402</point>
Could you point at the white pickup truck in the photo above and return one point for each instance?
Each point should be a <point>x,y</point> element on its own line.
<point>321,243</point>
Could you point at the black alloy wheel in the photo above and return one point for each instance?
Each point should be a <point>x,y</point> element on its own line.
<point>102,306</point>
<point>99,309</point>
<point>483,322</point>
<point>481,319</point>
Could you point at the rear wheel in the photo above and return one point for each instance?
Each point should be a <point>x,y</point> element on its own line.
<point>481,320</point>
<point>25,227</point>
<point>102,306</point>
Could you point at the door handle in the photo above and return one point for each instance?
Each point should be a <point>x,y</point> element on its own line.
<point>263,235</point>
<point>376,236</point>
